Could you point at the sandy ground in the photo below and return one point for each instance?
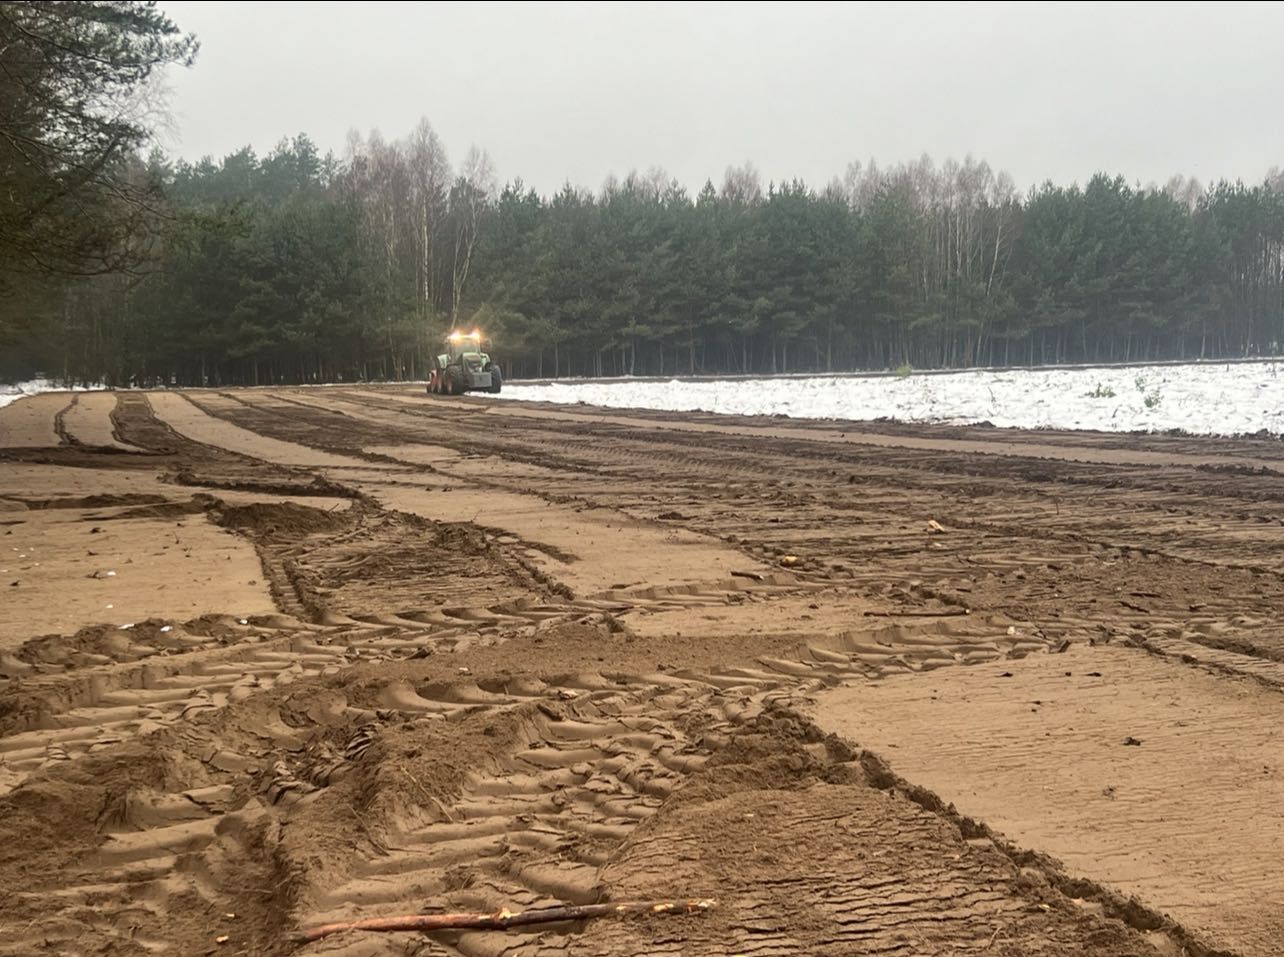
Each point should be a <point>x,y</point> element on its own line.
<point>65,567</point>
<point>87,421</point>
<point>1102,757</point>
<point>31,422</point>
<point>389,655</point>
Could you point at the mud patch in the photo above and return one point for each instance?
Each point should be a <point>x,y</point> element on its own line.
<point>281,519</point>
<point>367,561</point>
<point>296,484</point>
<point>98,644</point>
<point>93,501</point>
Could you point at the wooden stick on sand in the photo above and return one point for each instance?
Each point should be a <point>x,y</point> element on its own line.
<point>504,919</point>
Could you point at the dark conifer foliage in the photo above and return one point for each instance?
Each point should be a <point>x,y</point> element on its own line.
<point>295,266</point>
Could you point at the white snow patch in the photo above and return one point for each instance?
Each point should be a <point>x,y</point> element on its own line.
<point>12,392</point>
<point>1203,399</point>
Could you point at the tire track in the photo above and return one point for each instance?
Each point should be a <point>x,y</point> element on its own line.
<point>438,723</point>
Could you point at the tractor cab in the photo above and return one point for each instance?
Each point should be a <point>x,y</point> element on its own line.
<point>464,367</point>
<point>464,345</point>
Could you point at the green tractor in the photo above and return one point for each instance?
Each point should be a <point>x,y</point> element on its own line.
<point>463,367</point>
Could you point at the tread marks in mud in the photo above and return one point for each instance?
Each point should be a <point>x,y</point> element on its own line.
<point>771,817</point>
<point>587,764</point>
<point>137,424</point>
<point>554,812</point>
<point>331,566</point>
<point>589,779</point>
<point>594,754</point>
<point>200,667</point>
<point>158,446</point>
<point>179,848</point>
<point>604,753</point>
<point>873,528</point>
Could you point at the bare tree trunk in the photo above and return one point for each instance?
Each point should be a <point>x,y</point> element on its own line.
<point>472,193</point>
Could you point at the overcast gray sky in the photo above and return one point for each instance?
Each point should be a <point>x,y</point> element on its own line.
<point>561,92</point>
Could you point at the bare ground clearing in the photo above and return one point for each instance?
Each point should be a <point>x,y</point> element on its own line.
<point>373,653</point>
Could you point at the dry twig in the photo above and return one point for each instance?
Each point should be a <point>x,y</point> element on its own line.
<point>504,919</point>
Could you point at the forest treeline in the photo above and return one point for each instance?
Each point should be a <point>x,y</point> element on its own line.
<point>300,267</point>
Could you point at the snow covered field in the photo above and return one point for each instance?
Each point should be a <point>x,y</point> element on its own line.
<point>1205,399</point>
<point>12,393</point>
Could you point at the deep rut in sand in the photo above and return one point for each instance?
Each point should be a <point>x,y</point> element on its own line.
<point>519,656</point>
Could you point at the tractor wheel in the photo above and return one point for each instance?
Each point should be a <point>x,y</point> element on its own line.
<point>496,381</point>
<point>452,384</point>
